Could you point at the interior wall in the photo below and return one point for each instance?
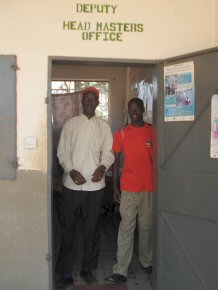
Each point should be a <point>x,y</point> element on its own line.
<point>122,80</point>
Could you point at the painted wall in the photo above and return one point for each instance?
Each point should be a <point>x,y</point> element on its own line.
<point>33,30</point>
<point>170,28</point>
<point>216,22</point>
<point>24,232</point>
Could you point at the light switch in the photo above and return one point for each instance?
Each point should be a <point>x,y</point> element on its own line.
<point>30,143</point>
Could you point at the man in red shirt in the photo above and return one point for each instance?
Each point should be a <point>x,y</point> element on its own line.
<point>135,141</point>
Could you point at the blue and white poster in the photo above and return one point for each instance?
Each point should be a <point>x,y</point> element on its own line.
<point>179,95</point>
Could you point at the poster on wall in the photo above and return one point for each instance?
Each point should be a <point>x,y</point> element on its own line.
<point>214,127</point>
<point>179,92</point>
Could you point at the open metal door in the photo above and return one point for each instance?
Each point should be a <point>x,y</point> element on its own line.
<point>187,199</point>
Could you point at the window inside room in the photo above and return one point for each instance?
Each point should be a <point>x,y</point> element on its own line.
<point>76,86</point>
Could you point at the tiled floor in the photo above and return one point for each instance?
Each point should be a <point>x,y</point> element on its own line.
<point>137,279</point>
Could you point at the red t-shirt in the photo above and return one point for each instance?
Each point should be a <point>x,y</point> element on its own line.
<point>136,144</point>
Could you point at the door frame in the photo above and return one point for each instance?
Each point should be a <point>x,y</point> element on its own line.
<point>158,65</point>
<point>77,61</point>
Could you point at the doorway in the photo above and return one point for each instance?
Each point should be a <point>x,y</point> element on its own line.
<point>125,80</point>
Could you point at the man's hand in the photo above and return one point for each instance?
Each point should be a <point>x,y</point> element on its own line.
<point>98,174</point>
<point>77,177</point>
<point>117,195</point>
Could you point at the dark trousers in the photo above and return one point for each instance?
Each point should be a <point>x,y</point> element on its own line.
<point>73,203</point>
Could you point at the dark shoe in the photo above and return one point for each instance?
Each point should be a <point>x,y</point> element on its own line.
<point>148,270</point>
<point>116,279</point>
<point>88,277</point>
<point>64,281</point>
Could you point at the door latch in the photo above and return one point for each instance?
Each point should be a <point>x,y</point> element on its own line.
<point>48,257</point>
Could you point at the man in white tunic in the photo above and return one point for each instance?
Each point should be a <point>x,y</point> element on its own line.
<point>85,153</point>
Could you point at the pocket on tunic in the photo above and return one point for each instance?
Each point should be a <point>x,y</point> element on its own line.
<point>96,149</point>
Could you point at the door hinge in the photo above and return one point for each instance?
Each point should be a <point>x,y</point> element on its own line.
<point>47,100</point>
<point>48,257</point>
<point>14,66</point>
<point>15,163</point>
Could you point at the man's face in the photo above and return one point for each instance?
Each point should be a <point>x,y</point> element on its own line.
<point>135,112</point>
<point>89,103</point>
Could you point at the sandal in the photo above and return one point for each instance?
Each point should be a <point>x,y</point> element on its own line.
<point>116,279</point>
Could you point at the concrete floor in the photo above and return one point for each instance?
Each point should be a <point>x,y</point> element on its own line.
<point>137,278</point>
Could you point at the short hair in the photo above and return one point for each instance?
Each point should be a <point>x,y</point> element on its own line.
<point>136,101</point>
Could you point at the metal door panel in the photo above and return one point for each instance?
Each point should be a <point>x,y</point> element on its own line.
<point>191,150</point>
<point>177,194</point>
<point>178,271</point>
<point>188,189</point>
<point>197,239</point>
<point>8,160</point>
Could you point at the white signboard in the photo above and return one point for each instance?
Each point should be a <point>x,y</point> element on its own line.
<point>214,127</point>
